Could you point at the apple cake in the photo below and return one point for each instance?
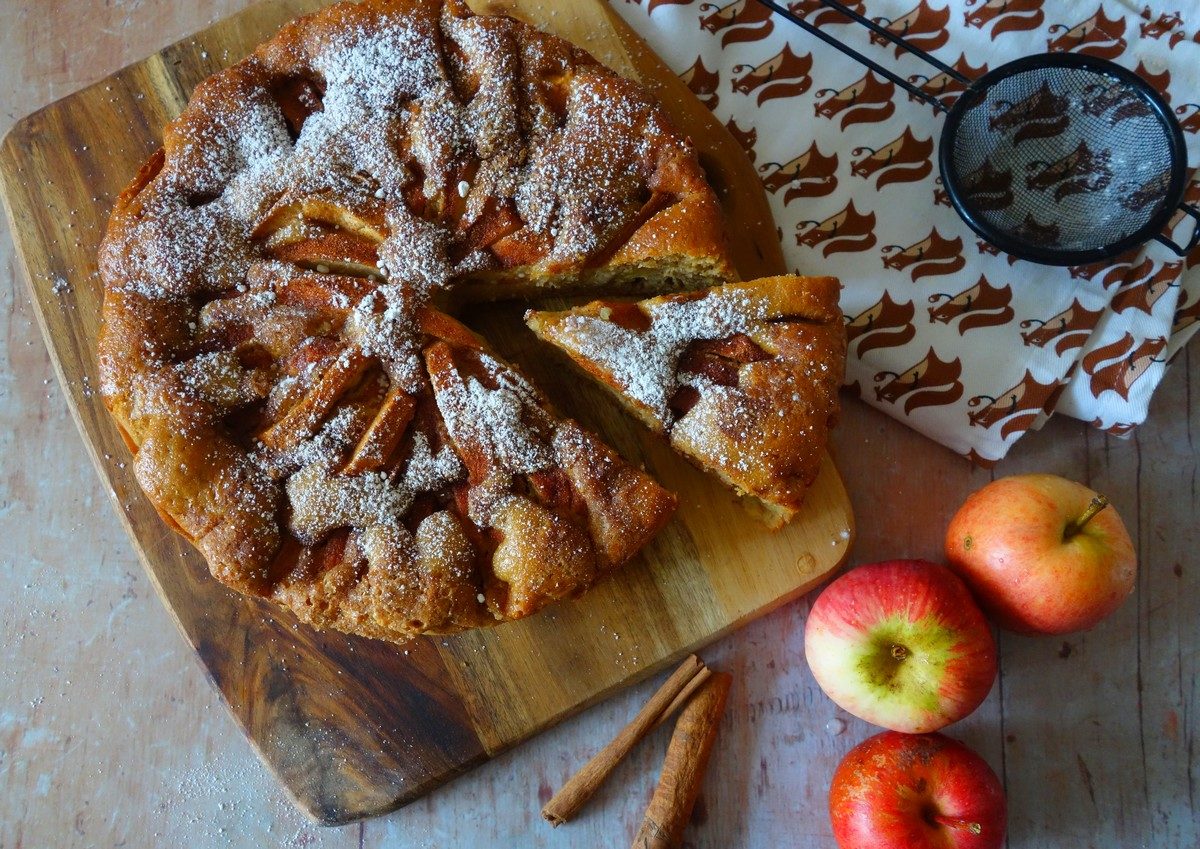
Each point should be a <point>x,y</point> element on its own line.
<point>277,349</point>
<point>742,378</point>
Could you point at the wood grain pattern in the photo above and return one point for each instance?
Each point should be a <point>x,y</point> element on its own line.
<point>353,727</point>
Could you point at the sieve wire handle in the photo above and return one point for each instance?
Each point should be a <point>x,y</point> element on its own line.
<point>937,104</point>
<point>885,33</point>
<point>1193,241</point>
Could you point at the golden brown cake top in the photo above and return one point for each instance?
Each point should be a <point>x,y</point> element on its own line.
<point>449,144</point>
<point>742,378</point>
<point>641,346</point>
<point>273,347</point>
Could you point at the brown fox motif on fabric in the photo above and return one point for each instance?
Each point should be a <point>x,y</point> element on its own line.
<point>922,26</point>
<point>703,83</point>
<point>978,459</point>
<point>1189,117</point>
<point>985,248</point>
<point>884,324</point>
<point>1150,192</point>
<point>1117,429</point>
<point>945,86</point>
<point>904,159</point>
<point>1119,100</point>
<point>783,75</point>
<point>1096,36</point>
<point>1160,26</point>
<point>1042,114</point>
<point>1186,316</point>
<point>1144,292</point>
<point>1082,170</point>
<point>933,255</point>
<point>930,382</point>
<point>987,187</point>
<point>811,174</point>
<point>847,230</point>
<point>941,197</point>
<point>1038,232</point>
<point>866,99</point>
<point>1118,365</point>
<point>745,20</point>
<point>825,15</point>
<point>1004,15</point>
<point>1108,272</point>
<point>1180,35</point>
<point>1133,273</point>
<point>1018,406</point>
<point>1160,82</point>
<point>1068,329</point>
<point>981,305</point>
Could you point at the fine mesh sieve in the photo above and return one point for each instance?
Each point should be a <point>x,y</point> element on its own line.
<point>1064,159</point>
<point>1057,158</point>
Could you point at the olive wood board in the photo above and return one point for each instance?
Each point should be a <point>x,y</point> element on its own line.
<point>354,727</point>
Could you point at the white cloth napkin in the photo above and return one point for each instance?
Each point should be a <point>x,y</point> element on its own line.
<point>970,347</point>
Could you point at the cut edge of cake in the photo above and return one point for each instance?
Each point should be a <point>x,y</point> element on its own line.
<point>740,378</point>
<point>232,510</point>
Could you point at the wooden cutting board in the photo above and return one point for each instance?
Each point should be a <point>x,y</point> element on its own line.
<point>355,727</point>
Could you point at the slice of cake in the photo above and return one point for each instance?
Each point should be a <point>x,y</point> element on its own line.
<point>742,379</point>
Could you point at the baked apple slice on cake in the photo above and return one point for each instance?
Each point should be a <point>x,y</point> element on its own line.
<point>742,378</point>
<point>277,349</point>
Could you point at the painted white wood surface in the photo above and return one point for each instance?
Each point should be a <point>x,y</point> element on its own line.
<point>111,736</point>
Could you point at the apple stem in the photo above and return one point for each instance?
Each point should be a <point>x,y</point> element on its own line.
<point>1097,504</point>
<point>958,822</point>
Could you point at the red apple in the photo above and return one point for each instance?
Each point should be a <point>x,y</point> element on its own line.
<point>901,644</point>
<point>925,791</point>
<point>1044,555</point>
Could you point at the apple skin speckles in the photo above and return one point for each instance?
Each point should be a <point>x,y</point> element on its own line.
<point>901,644</point>
<point>1034,566</point>
<point>904,791</point>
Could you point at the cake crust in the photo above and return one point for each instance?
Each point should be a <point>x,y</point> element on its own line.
<point>742,379</point>
<point>276,348</point>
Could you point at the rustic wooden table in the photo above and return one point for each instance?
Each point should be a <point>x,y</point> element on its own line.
<point>110,735</point>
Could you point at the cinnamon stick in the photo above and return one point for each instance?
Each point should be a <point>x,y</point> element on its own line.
<point>684,695</point>
<point>581,786</point>
<point>683,769</point>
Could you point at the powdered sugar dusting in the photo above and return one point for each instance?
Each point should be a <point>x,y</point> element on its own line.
<point>323,500</point>
<point>645,363</point>
<point>495,422</point>
<point>428,472</point>
<point>282,261</point>
<point>381,325</point>
<point>325,448</point>
<point>711,433</point>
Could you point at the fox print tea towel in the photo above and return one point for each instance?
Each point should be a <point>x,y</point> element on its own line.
<point>967,345</point>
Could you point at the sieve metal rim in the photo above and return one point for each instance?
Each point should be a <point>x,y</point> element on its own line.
<point>1057,256</point>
